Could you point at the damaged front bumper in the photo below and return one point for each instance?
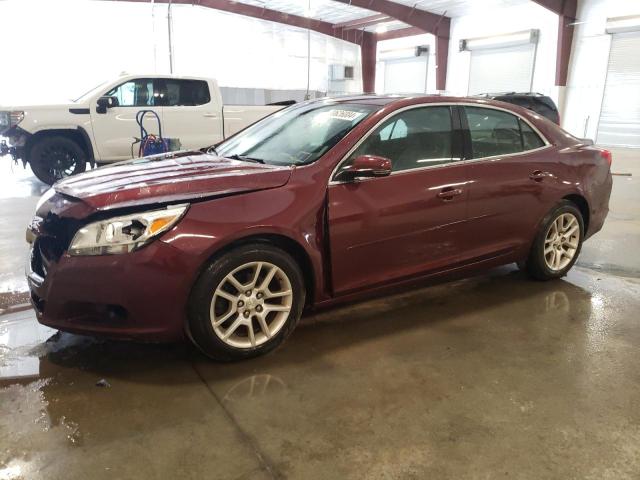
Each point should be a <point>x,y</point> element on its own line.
<point>16,145</point>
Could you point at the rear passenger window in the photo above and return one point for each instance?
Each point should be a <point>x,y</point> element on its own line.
<point>420,137</point>
<point>186,93</point>
<point>530,139</point>
<point>494,133</point>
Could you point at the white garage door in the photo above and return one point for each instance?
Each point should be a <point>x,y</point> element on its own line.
<point>620,117</point>
<point>507,69</point>
<point>406,75</point>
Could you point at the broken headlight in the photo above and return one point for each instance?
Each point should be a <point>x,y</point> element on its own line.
<point>10,119</point>
<point>124,234</point>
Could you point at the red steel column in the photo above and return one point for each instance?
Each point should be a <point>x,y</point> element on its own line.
<point>565,39</point>
<point>442,60</point>
<point>368,55</point>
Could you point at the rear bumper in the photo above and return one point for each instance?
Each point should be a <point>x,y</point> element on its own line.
<point>140,295</point>
<point>599,206</point>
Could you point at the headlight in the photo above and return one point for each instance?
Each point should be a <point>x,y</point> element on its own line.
<point>15,118</point>
<point>124,234</point>
<point>10,119</point>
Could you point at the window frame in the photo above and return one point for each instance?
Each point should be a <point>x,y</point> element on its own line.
<point>461,147</point>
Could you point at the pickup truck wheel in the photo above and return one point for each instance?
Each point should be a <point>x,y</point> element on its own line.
<point>557,244</point>
<point>56,157</point>
<point>246,303</point>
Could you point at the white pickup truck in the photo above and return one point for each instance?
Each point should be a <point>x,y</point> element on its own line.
<point>100,126</point>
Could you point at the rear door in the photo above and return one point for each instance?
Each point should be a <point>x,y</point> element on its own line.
<point>410,222</point>
<point>191,112</point>
<point>512,181</point>
<point>116,130</point>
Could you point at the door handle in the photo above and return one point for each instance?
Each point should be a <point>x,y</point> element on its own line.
<point>448,193</point>
<point>210,115</point>
<point>539,175</point>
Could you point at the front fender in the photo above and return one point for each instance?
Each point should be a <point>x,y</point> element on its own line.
<point>212,226</point>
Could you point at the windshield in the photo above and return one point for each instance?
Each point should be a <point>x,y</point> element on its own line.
<point>296,135</point>
<point>84,95</point>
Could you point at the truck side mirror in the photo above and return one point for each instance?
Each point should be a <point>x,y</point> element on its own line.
<point>104,103</point>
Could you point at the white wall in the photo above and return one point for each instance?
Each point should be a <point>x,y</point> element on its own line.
<point>589,60</point>
<point>407,42</point>
<point>505,20</point>
<point>59,49</point>
<point>494,22</point>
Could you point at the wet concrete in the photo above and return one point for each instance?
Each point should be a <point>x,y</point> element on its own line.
<point>481,378</point>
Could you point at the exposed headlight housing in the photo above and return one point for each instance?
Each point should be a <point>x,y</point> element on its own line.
<point>10,119</point>
<point>45,198</point>
<point>126,233</point>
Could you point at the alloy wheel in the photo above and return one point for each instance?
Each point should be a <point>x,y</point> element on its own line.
<point>251,304</point>
<point>61,160</point>
<point>561,242</point>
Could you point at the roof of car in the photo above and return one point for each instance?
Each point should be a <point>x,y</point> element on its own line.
<point>386,99</point>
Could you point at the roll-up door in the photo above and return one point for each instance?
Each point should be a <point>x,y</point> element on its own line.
<point>620,116</point>
<point>405,75</point>
<point>506,69</point>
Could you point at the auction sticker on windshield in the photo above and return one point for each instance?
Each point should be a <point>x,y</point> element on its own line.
<point>347,115</point>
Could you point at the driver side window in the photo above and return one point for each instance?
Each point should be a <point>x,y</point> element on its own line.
<point>134,93</point>
<point>415,138</point>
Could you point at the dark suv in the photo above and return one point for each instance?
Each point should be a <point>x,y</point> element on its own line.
<point>533,101</point>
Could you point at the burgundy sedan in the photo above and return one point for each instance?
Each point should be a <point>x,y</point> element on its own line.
<point>321,202</point>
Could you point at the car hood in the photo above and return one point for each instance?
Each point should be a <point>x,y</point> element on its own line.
<point>180,176</point>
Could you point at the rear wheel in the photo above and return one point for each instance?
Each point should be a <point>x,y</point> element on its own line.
<point>55,157</point>
<point>246,303</point>
<point>558,243</point>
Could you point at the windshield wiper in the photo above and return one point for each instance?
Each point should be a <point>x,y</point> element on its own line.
<point>244,158</point>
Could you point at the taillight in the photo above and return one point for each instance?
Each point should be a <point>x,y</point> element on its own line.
<point>606,154</point>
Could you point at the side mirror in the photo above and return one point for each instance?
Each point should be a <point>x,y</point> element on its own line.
<point>105,103</point>
<point>365,166</point>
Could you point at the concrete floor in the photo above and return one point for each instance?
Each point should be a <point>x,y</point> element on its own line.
<point>495,376</point>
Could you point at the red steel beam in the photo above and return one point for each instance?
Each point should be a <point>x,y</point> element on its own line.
<point>429,22</point>
<point>566,11</point>
<point>363,22</point>
<point>399,33</point>
<point>438,25</point>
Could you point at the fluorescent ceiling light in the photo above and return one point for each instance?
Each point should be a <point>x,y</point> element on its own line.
<point>500,41</point>
<point>629,23</point>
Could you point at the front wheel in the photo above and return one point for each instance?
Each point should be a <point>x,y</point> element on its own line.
<point>56,157</point>
<point>557,244</point>
<point>246,303</point>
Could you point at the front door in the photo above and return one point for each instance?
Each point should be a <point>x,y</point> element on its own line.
<point>116,129</point>
<point>410,222</point>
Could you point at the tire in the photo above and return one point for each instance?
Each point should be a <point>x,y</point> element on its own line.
<point>562,251</point>
<point>55,157</point>
<point>217,304</point>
